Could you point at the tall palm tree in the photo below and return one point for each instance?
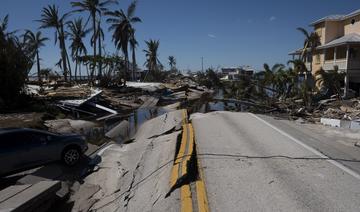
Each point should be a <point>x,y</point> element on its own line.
<point>100,37</point>
<point>312,40</point>
<point>298,66</point>
<point>77,33</point>
<point>34,41</point>
<point>50,18</point>
<point>95,9</point>
<point>152,60</point>
<point>133,44</point>
<point>172,62</point>
<point>122,25</point>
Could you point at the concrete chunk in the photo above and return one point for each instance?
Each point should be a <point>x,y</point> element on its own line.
<point>30,198</point>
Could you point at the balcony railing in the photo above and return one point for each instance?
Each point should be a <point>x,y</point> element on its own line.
<point>329,65</point>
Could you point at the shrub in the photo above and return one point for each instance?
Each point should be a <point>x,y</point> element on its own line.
<point>14,66</point>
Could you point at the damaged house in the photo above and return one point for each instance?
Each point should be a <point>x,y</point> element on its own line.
<point>339,47</point>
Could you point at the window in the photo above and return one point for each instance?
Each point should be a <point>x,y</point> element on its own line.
<point>36,139</point>
<point>353,21</point>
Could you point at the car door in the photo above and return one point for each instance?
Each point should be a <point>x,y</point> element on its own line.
<point>36,148</point>
<point>12,152</point>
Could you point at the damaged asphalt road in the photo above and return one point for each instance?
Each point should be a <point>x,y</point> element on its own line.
<point>240,160</point>
<point>135,176</point>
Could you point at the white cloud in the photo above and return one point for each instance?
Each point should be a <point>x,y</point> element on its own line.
<point>211,36</point>
<point>272,18</point>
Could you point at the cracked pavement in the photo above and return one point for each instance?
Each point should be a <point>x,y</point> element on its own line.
<point>135,176</point>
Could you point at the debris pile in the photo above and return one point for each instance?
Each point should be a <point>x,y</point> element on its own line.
<point>331,109</point>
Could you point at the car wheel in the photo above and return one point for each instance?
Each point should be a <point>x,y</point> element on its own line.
<point>71,156</point>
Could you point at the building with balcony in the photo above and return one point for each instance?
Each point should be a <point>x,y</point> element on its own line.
<point>340,47</point>
<point>236,73</point>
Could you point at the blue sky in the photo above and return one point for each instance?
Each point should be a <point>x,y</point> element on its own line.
<point>225,33</point>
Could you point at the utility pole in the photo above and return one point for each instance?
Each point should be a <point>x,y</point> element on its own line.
<point>202,64</point>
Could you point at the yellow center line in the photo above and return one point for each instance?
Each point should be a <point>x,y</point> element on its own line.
<point>186,199</point>
<point>180,169</point>
<point>180,155</point>
<point>179,158</point>
<point>203,204</point>
<point>202,200</point>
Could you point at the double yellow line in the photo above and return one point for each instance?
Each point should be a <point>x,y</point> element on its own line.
<point>180,169</point>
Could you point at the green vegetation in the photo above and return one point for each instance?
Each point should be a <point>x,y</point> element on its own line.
<point>124,33</point>
<point>209,78</point>
<point>15,63</point>
<point>152,61</point>
<point>312,40</point>
<point>77,33</point>
<point>33,43</point>
<point>50,18</point>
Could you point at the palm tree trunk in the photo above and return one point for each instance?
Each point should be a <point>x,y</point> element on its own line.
<point>68,60</point>
<point>133,63</point>
<point>100,52</point>
<point>63,51</point>
<point>76,64</point>
<point>38,65</point>
<point>79,70</point>
<point>94,41</point>
<point>63,57</point>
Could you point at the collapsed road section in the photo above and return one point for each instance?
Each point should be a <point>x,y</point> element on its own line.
<point>136,176</point>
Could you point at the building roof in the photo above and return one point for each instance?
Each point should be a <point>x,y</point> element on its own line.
<point>336,17</point>
<point>328,18</point>
<point>352,38</point>
<point>355,13</point>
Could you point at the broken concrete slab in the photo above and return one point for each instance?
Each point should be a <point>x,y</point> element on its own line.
<point>135,177</point>
<point>160,125</point>
<point>30,198</point>
<point>120,131</point>
<point>82,198</point>
<point>172,107</point>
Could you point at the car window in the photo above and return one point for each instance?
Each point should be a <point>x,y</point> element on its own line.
<point>34,138</point>
<point>12,140</point>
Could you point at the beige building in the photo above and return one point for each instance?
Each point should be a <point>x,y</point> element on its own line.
<point>340,46</point>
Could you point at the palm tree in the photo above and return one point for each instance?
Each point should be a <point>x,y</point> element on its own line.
<point>100,36</point>
<point>50,18</point>
<point>95,9</point>
<point>152,60</point>
<point>312,40</point>
<point>77,33</point>
<point>133,44</point>
<point>172,62</point>
<point>122,25</point>
<point>298,66</point>
<point>34,41</point>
